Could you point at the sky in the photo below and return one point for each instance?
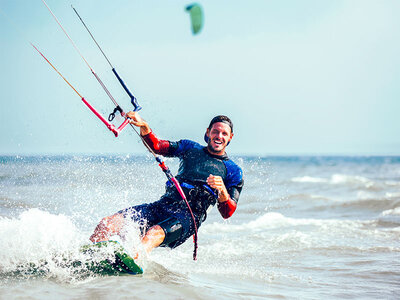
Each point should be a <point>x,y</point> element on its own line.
<point>296,77</point>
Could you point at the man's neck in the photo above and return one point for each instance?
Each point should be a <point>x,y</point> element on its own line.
<point>219,153</point>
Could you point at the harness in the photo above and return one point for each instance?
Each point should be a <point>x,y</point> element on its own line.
<point>199,195</point>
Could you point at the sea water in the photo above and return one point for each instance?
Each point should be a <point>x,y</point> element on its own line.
<point>305,228</point>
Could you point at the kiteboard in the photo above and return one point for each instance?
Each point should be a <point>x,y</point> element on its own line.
<point>103,258</point>
<point>109,258</point>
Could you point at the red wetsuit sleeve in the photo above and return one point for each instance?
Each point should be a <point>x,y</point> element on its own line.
<point>157,145</point>
<point>227,208</point>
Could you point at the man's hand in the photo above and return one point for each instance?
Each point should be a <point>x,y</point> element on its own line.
<point>217,183</point>
<point>137,120</point>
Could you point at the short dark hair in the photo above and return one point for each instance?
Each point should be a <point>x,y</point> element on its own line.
<point>223,119</point>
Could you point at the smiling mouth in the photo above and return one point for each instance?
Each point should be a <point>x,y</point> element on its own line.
<point>218,143</point>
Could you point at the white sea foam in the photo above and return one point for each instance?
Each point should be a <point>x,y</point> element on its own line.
<point>392,195</point>
<point>391,219</point>
<point>344,179</point>
<point>36,235</point>
<point>364,195</point>
<point>310,179</point>
<point>395,211</point>
<point>47,241</point>
<point>392,183</point>
<point>337,179</point>
<point>279,229</point>
<point>274,220</point>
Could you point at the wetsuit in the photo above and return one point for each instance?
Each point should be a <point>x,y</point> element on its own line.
<point>196,164</point>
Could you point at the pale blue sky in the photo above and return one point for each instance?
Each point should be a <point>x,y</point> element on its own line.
<point>296,77</point>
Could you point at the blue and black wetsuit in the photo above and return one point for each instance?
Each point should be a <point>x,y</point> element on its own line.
<point>196,164</point>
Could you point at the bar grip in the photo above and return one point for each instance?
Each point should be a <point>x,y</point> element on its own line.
<point>110,126</point>
<point>133,98</point>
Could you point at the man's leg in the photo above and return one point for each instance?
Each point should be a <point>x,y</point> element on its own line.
<point>112,225</point>
<point>164,233</point>
<point>107,227</point>
<point>153,238</point>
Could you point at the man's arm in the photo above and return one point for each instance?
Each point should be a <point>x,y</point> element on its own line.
<point>158,146</point>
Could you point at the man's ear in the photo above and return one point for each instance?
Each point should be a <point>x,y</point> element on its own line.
<point>207,136</point>
<point>230,139</point>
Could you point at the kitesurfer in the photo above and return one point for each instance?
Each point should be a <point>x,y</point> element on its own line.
<point>206,175</point>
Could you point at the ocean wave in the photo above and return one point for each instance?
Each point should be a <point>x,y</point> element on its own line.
<point>304,196</point>
<point>40,244</point>
<point>343,179</point>
<point>4,177</point>
<point>10,203</point>
<point>309,179</point>
<point>392,183</point>
<point>15,179</point>
<point>275,234</point>
<point>372,201</point>
<point>392,195</point>
<point>373,204</point>
<point>395,211</point>
<point>390,218</point>
<point>35,235</point>
<point>271,222</point>
<point>274,220</point>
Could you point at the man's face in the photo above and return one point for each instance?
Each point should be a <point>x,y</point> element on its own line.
<point>219,136</point>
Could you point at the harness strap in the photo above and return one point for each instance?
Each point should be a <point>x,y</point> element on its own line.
<point>190,186</point>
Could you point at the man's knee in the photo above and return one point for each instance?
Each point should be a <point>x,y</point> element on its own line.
<point>108,226</point>
<point>173,230</point>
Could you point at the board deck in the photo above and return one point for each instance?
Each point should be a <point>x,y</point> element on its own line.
<point>119,262</point>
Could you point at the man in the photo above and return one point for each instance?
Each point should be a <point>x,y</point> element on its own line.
<point>207,177</point>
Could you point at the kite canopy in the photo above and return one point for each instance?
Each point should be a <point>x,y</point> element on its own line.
<point>196,17</point>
